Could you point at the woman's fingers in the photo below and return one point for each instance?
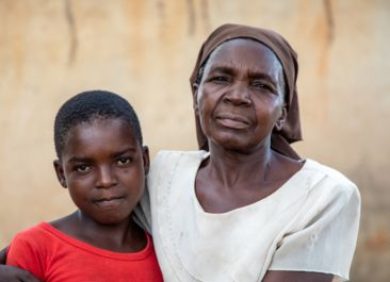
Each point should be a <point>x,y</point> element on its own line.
<point>3,255</point>
<point>26,276</point>
<point>14,274</point>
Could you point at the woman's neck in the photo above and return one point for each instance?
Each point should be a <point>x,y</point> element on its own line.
<point>231,179</point>
<point>232,167</point>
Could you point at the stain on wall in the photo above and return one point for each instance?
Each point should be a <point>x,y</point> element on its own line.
<point>145,50</point>
<point>69,15</point>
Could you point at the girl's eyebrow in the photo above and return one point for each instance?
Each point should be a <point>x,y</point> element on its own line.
<point>115,154</point>
<point>79,159</point>
<point>127,150</point>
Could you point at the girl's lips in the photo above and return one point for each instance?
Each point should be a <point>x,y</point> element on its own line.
<point>109,202</point>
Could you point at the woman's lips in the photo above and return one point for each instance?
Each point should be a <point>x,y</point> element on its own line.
<point>231,121</point>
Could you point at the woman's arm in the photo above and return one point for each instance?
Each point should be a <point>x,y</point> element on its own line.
<point>327,241</point>
<point>13,274</point>
<point>3,255</point>
<point>297,276</point>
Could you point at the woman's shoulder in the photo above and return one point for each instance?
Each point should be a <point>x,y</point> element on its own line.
<point>169,159</point>
<point>327,179</point>
<point>168,154</point>
<point>166,164</point>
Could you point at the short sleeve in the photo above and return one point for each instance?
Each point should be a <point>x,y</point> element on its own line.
<point>142,211</point>
<point>324,239</point>
<point>25,254</point>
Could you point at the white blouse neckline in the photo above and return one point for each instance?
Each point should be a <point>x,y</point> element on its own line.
<point>272,197</point>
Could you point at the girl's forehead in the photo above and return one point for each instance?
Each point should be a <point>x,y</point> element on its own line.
<point>102,125</point>
<point>100,133</point>
<point>97,123</point>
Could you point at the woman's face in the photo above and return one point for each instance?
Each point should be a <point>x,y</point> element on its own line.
<point>240,97</point>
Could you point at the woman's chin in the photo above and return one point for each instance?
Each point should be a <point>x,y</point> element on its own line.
<point>239,145</point>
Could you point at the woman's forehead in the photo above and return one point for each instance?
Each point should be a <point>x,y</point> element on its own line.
<point>244,54</point>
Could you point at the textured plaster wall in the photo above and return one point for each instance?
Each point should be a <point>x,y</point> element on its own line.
<point>144,50</point>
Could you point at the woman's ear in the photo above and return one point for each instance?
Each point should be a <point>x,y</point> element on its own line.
<point>145,157</point>
<point>195,88</point>
<point>282,119</point>
<point>60,173</point>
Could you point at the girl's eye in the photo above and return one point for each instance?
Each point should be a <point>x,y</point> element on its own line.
<point>83,168</point>
<point>123,161</point>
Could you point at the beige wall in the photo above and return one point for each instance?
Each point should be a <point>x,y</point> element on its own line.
<point>144,50</point>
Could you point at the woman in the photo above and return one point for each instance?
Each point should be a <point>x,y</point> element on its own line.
<point>247,207</point>
<point>250,209</point>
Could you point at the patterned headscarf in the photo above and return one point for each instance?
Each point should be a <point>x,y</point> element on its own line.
<point>291,130</point>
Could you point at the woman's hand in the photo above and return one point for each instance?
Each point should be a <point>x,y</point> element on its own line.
<point>3,255</point>
<point>297,276</point>
<point>13,274</point>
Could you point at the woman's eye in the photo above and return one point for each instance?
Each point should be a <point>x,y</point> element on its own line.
<point>83,168</point>
<point>123,161</point>
<point>261,85</point>
<point>219,79</point>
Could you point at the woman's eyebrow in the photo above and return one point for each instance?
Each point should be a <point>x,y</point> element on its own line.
<point>227,69</point>
<point>261,75</point>
<point>222,69</point>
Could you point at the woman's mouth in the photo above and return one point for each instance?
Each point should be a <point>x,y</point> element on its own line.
<point>232,121</point>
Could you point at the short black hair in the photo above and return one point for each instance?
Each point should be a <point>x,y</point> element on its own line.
<point>89,105</point>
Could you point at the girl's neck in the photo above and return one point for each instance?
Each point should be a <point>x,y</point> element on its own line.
<point>123,237</point>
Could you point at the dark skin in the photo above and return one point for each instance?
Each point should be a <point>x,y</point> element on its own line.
<point>104,168</point>
<point>239,105</point>
<point>239,101</point>
<point>13,274</point>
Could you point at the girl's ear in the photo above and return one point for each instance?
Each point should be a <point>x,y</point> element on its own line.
<point>145,157</point>
<point>60,173</point>
<point>282,119</point>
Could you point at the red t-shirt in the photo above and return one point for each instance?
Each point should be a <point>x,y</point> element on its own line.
<point>55,257</point>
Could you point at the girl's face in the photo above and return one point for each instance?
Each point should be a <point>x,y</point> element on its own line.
<point>240,97</point>
<point>104,167</point>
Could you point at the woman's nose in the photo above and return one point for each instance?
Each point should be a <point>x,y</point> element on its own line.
<point>238,94</point>
<point>106,177</point>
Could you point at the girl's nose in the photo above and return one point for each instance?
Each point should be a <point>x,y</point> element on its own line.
<point>106,177</point>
